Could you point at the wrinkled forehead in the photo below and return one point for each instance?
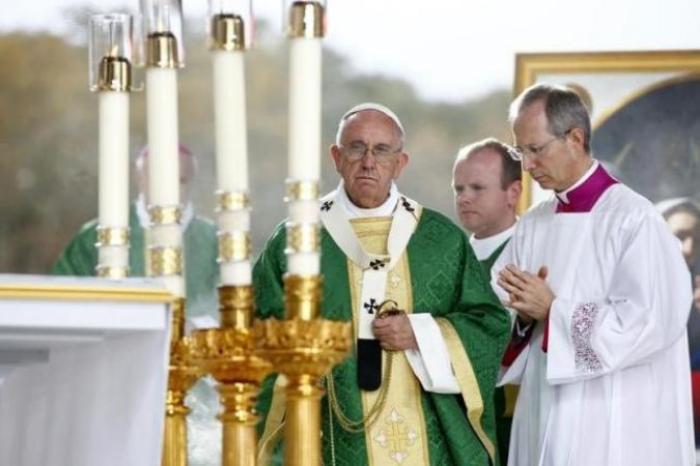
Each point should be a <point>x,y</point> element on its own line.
<point>370,124</point>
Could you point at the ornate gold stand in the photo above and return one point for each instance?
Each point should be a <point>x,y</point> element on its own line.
<point>182,375</point>
<point>304,348</point>
<point>229,355</point>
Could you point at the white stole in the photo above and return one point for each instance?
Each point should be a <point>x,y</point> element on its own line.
<point>431,362</point>
<point>375,268</point>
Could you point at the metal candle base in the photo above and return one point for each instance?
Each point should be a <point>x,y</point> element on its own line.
<point>228,354</point>
<point>303,350</point>
<point>183,374</point>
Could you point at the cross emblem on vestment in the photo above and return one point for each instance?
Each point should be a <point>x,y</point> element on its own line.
<point>326,206</point>
<point>397,437</point>
<point>407,205</point>
<point>371,306</point>
<point>377,264</point>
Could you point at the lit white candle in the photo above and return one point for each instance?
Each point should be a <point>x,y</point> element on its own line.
<point>305,109</point>
<point>163,159</point>
<point>109,48</point>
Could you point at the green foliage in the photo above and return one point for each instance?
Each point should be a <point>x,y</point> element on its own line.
<point>48,135</point>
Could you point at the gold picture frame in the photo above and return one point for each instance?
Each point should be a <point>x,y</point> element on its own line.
<point>612,79</point>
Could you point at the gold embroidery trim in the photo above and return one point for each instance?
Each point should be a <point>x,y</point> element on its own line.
<point>468,384</point>
<point>274,423</point>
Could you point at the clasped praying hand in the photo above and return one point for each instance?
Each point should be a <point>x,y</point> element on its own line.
<point>528,293</point>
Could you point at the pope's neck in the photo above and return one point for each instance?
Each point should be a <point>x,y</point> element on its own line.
<point>374,204</point>
<point>354,210</point>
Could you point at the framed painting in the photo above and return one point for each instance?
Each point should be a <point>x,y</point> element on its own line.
<point>645,111</point>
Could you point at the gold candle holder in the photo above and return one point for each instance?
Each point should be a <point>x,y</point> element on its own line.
<point>229,355</point>
<point>161,50</point>
<point>114,74</point>
<point>304,351</point>
<point>302,296</point>
<point>236,305</point>
<point>181,376</point>
<point>306,19</point>
<point>227,32</point>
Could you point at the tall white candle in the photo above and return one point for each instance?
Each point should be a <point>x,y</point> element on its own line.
<point>113,159</point>
<point>305,109</point>
<point>163,160</point>
<point>231,152</point>
<point>230,121</point>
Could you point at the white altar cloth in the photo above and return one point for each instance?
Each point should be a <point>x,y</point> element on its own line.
<point>83,371</point>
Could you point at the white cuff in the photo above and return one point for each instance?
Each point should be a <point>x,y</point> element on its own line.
<point>431,362</point>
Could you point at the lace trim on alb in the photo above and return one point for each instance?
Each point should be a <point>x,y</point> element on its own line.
<point>581,330</point>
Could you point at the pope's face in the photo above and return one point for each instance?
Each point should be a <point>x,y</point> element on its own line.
<point>686,227</point>
<point>368,174</point>
<point>547,158</point>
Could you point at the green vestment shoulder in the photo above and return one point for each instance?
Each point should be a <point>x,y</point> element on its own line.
<point>201,250</point>
<point>487,263</point>
<point>447,281</point>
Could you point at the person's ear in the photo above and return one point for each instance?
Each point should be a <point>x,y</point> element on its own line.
<point>336,155</point>
<point>402,161</point>
<point>576,136</point>
<point>514,191</point>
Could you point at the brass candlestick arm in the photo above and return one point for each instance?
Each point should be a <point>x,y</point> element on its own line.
<point>304,351</point>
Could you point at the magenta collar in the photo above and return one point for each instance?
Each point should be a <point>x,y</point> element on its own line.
<point>584,197</point>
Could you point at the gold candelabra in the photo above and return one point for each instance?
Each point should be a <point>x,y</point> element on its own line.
<point>182,374</point>
<point>228,353</point>
<point>304,348</point>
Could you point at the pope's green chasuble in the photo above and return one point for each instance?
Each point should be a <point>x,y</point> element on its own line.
<point>437,274</point>
<point>201,269</point>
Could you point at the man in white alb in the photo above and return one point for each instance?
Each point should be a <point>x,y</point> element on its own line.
<point>602,295</point>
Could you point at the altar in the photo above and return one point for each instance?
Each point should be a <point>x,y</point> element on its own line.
<point>83,370</point>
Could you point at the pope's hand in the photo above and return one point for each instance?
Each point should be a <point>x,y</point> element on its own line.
<point>394,333</point>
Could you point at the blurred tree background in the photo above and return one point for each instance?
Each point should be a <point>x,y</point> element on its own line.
<point>48,133</point>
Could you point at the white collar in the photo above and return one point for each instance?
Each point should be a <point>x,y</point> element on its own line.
<point>353,211</point>
<point>145,221</point>
<point>564,195</point>
<point>484,247</point>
